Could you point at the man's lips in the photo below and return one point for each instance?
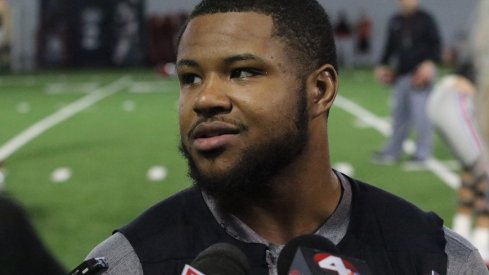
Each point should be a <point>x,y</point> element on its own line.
<point>207,136</point>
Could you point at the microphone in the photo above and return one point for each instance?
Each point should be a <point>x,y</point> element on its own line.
<point>313,255</point>
<point>219,259</point>
<point>93,266</point>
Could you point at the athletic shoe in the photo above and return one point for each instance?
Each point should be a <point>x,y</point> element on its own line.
<point>415,163</point>
<point>383,159</point>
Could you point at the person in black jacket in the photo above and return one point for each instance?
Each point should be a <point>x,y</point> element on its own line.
<point>257,82</point>
<point>408,62</point>
<point>21,249</point>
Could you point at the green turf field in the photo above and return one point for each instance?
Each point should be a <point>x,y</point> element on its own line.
<point>85,172</point>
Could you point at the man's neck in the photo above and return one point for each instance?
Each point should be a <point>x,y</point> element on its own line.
<point>304,195</point>
<point>298,208</point>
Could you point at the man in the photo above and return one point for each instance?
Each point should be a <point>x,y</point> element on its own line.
<point>413,44</point>
<point>480,41</point>
<point>451,111</point>
<point>21,249</point>
<point>364,28</point>
<point>258,79</point>
<point>344,43</point>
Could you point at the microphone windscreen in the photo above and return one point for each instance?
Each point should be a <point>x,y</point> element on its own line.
<point>311,241</point>
<point>222,259</point>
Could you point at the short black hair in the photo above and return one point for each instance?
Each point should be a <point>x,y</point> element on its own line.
<point>303,25</point>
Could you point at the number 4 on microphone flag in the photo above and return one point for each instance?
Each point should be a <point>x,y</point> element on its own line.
<point>189,270</point>
<point>308,261</point>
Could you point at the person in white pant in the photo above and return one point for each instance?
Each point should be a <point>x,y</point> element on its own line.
<point>451,111</point>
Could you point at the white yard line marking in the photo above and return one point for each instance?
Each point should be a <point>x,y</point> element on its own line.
<point>58,88</point>
<point>157,173</point>
<point>61,115</point>
<point>129,106</point>
<point>61,174</point>
<point>146,87</point>
<point>345,168</point>
<point>382,126</point>
<point>23,107</point>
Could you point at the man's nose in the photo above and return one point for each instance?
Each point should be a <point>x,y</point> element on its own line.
<point>212,99</point>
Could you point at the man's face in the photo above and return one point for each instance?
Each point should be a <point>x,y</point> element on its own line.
<point>243,114</point>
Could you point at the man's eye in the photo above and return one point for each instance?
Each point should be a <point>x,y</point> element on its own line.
<point>244,73</point>
<point>190,79</point>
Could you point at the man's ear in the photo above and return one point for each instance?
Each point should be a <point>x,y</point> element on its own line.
<point>322,87</point>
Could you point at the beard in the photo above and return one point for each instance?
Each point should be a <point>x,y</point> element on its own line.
<point>251,178</point>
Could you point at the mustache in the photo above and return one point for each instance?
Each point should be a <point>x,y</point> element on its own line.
<point>236,123</point>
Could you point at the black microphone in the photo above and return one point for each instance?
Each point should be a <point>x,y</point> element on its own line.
<point>313,255</point>
<point>93,266</point>
<point>219,259</point>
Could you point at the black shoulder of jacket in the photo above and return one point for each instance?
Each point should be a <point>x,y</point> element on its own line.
<point>171,234</point>
<point>392,235</point>
<point>162,227</point>
<point>401,222</point>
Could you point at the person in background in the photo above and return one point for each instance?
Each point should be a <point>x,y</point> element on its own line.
<point>21,250</point>
<point>413,46</point>
<point>480,42</point>
<point>343,32</point>
<point>363,32</point>
<point>451,111</point>
<point>257,83</point>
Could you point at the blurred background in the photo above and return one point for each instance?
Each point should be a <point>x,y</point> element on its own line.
<point>88,111</point>
<point>54,33</point>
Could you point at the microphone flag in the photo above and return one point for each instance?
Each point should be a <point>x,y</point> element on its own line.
<point>310,261</point>
<point>189,270</point>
